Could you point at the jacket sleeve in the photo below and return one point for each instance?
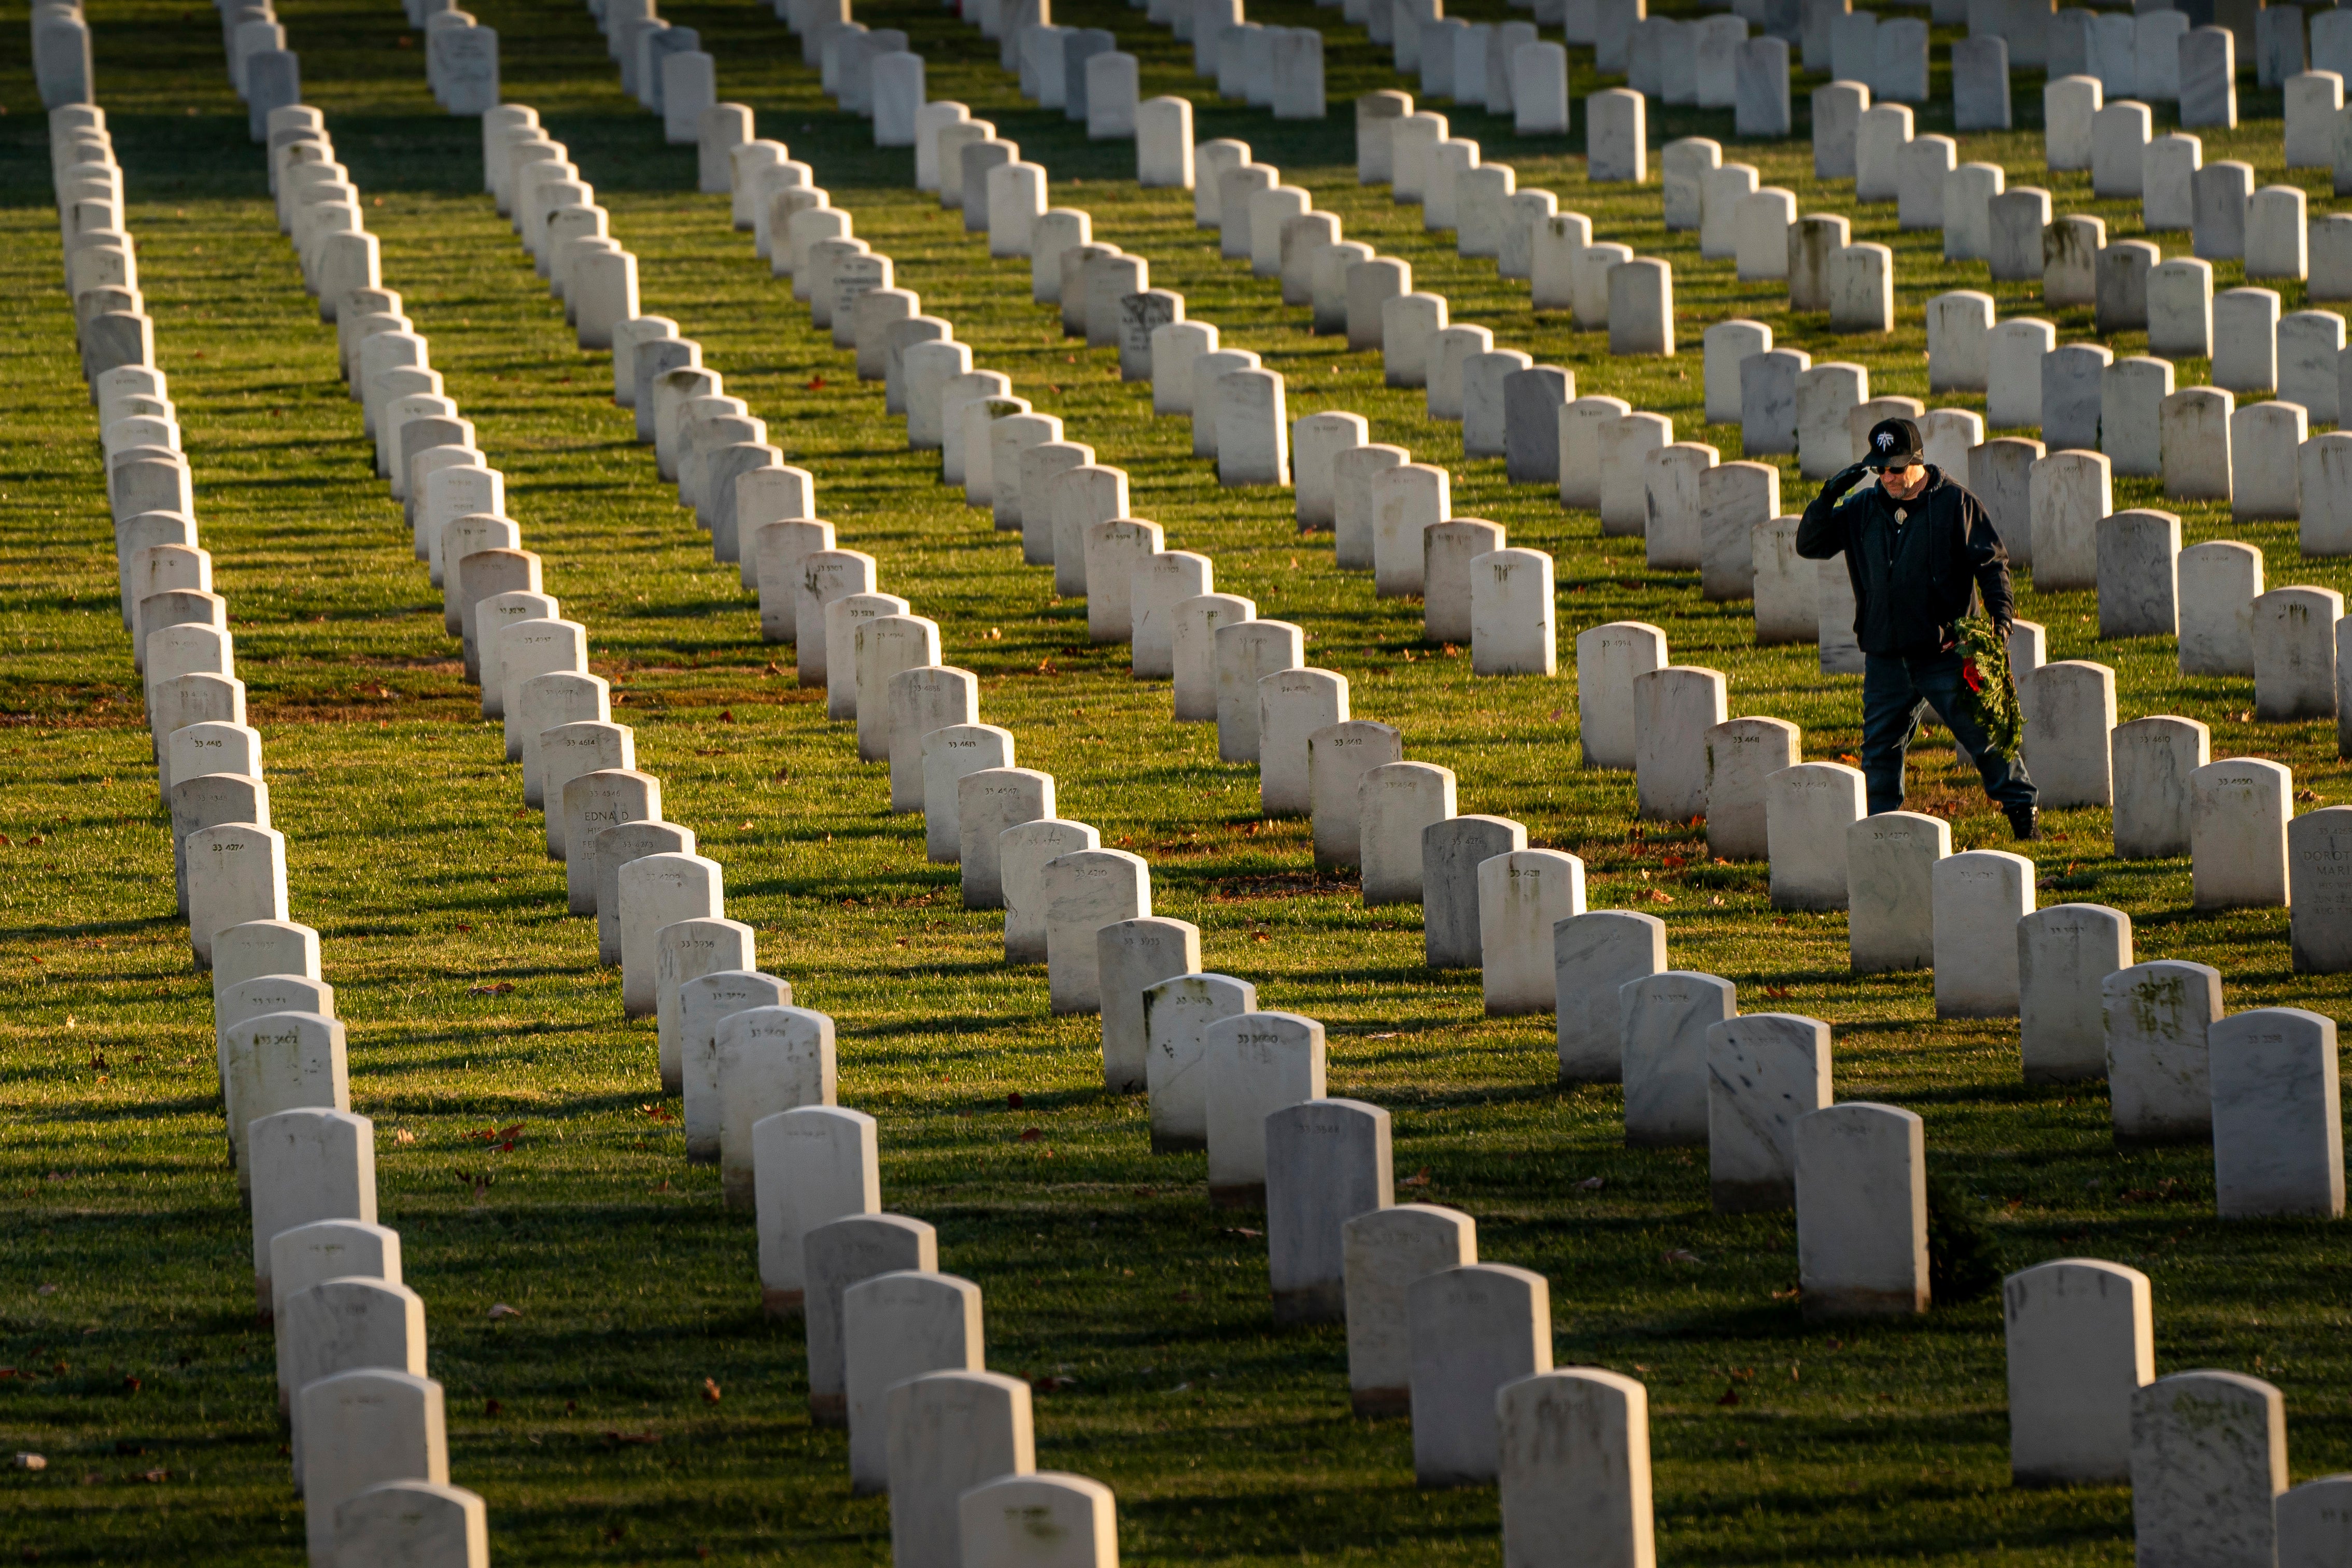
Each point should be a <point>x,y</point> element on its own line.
<point>1822,533</point>
<point>1988,560</point>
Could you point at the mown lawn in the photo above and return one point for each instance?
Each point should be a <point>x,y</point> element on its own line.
<point>124,1312</point>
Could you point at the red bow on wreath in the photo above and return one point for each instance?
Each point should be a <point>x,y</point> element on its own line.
<point>1969,673</point>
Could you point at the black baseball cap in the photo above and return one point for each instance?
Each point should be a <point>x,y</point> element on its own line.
<point>1893,443</point>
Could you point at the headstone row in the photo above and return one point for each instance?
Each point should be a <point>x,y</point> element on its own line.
<point>368,1452</point>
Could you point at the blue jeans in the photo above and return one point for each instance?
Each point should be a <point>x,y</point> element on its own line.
<point>1896,688</point>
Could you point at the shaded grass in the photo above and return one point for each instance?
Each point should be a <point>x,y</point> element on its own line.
<point>411,853</point>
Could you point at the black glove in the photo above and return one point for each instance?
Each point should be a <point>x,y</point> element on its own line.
<point>1848,479</point>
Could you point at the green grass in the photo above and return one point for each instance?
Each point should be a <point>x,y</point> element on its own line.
<point>411,853</point>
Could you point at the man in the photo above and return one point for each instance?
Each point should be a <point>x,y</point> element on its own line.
<point>1920,551</point>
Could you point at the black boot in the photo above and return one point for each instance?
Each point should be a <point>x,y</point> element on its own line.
<point>2020,822</point>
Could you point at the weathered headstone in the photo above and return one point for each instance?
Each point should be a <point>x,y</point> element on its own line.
<point>812,1165</point>
<point>1890,863</point>
<point>2208,1458</point>
<point>1608,659</point>
<point>1741,755</point>
<point>1523,894</point>
<point>394,1523</point>
<point>1245,652</point>
<point>1673,709</point>
<point>1764,1071</point>
<point>839,1255</point>
<point>1664,1019</point>
<point>237,873</point>
<point>1083,892</point>
<point>1176,1013</point>
<point>362,1428</point>
<point>896,1326</point>
<point>948,1432</point>
<point>1862,1211</point>
<point>1386,1250</point>
<point>1593,956</point>
<point>1022,851</point>
<point>2278,1135</point>
<point>1977,898</point>
<point>1473,1330</point>
<point>1327,1162</point>
<point>309,1164</point>
<point>2295,653</point>
<point>2079,1336</point>
<point>1256,1064</point>
<point>1048,1520</point>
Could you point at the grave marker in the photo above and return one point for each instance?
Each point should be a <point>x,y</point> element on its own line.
<point>363,1428</point>
<point>1326,1163</point>
<point>1245,652</point>
<point>2207,1460</point>
<point>2081,1344</point>
<point>896,1326</point>
<point>1474,1329</point>
<point>838,1256</point>
<point>1673,709</point>
<point>1862,1212</point>
<point>1044,1521</point>
<point>949,1433</point>
<point>1741,755</point>
<point>1663,1021</point>
<point>1809,808</point>
<point>2278,1135</point>
<point>1256,1064</point>
<point>309,1164</point>
<point>237,873</point>
<point>1764,1071</point>
<point>1594,956</point>
<point>988,802</point>
<point>1176,1012</point>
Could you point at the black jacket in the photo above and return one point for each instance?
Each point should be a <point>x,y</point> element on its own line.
<point>1911,580</point>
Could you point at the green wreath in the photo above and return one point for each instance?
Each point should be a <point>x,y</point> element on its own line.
<point>1992,690</point>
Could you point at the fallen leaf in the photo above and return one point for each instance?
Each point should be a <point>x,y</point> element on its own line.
<point>492,1407</point>
<point>500,1309</point>
<point>816,383</point>
<point>1590,1184</point>
<point>1681,1255</point>
<point>32,1461</point>
<point>1012,1101</point>
<point>1658,895</point>
<point>710,1391</point>
<point>1051,1384</point>
<point>1730,1396</point>
<point>500,989</point>
<point>402,1135</point>
<point>1030,1135</point>
<point>156,1476</point>
<point>1419,1178</point>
